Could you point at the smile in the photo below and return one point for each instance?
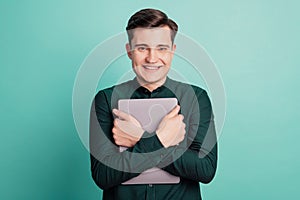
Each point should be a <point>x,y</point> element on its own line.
<point>151,67</point>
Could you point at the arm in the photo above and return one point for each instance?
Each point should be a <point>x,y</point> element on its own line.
<point>110,167</point>
<point>199,161</point>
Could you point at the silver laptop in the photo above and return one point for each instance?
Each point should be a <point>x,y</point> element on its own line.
<point>149,112</point>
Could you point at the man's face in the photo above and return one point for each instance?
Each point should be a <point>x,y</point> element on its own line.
<point>151,52</point>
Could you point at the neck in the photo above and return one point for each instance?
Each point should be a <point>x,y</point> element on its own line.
<point>151,86</point>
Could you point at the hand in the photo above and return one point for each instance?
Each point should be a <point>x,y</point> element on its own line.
<point>171,130</point>
<point>127,131</point>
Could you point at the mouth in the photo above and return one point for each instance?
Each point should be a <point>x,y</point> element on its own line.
<point>151,67</point>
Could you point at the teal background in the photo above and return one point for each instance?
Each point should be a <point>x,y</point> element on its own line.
<point>255,45</point>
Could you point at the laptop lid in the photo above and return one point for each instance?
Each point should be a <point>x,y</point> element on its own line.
<point>149,112</point>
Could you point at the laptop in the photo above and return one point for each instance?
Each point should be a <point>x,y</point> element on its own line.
<point>149,112</point>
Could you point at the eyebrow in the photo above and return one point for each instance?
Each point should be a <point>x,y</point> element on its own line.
<point>145,45</point>
<point>163,45</point>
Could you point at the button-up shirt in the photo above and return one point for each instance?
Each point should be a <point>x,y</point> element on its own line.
<point>194,160</point>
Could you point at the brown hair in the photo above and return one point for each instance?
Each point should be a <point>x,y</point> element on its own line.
<point>150,18</point>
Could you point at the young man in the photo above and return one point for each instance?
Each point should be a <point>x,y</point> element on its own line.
<point>177,146</point>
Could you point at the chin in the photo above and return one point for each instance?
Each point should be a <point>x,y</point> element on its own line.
<point>152,80</point>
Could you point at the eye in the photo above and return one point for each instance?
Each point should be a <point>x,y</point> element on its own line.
<point>162,49</point>
<point>141,49</point>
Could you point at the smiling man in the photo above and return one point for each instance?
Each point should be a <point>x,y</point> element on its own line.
<point>151,52</point>
<point>177,146</point>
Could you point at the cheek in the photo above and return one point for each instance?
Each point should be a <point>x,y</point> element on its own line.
<point>167,59</point>
<point>137,59</point>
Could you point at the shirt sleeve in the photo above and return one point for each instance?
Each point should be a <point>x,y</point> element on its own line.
<point>198,162</point>
<point>109,166</point>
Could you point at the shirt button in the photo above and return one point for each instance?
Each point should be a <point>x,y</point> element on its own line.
<point>161,155</point>
<point>150,185</point>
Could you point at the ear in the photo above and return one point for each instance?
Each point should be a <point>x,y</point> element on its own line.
<point>174,48</point>
<point>128,50</point>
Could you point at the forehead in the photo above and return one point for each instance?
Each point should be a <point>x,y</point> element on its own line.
<point>151,36</point>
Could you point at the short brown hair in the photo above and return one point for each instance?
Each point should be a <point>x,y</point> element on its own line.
<point>150,18</point>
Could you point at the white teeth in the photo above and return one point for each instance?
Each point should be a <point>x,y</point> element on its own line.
<point>151,67</point>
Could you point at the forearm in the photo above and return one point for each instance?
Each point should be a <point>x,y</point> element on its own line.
<point>110,167</point>
<point>199,161</point>
<point>106,177</point>
<point>191,165</point>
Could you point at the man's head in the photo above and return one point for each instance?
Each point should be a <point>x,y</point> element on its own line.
<point>151,46</point>
<point>150,18</point>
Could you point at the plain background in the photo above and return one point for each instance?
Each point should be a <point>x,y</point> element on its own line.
<point>255,45</point>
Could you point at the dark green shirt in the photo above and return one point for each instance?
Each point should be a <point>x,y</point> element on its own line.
<point>194,160</point>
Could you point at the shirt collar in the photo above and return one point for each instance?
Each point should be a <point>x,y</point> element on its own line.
<point>135,84</point>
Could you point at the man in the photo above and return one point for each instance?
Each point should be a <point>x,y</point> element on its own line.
<point>184,143</point>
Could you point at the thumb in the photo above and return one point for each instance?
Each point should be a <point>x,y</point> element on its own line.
<point>121,115</point>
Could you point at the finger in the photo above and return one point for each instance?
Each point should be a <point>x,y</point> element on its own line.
<point>128,128</point>
<point>126,136</point>
<point>120,141</point>
<point>126,117</point>
<point>181,117</point>
<point>119,132</point>
<point>119,138</point>
<point>123,141</point>
<point>121,114</point>
<point>174,112</point>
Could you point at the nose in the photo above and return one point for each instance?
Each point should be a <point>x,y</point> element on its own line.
<point>151,56</point>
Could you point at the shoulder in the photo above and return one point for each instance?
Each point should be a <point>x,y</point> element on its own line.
<point>189,94</point>
<point>115,88</point>
<point>112,94</point>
